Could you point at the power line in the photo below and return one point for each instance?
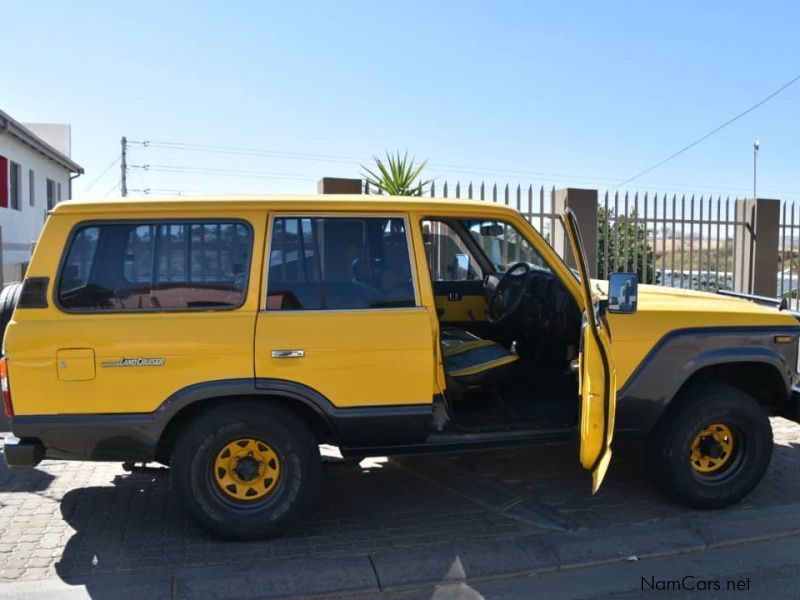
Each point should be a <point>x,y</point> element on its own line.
<point>712,132</point>
<point>478,172</point>
<point>222,172</point>
<point>245,174</point>
<point>111,189</point>
<point>99,177</point>
<point>241,151</point>
<point>332,158</point>
<point>180,192</point>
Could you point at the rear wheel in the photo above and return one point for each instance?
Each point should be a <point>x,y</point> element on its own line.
<point>712,448</point>
<point>246,470</point>
<point>9,296</point>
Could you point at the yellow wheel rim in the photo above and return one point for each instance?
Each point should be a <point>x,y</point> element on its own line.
<point>247,469</point>
<point>712,449</point>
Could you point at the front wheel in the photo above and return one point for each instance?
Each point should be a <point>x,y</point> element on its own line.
<point>712,448</point>
<point>246,470</point>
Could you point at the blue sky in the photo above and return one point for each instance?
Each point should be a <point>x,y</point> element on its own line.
<point>577,93</point>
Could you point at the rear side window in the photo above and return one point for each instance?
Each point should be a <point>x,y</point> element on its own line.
<point>157,266</point>
<point>335,263</point>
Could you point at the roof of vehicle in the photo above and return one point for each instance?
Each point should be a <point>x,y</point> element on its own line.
<point>310,202</point>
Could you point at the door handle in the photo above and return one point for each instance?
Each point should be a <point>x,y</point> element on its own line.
<point>288,353</point>
<point>454,296</point>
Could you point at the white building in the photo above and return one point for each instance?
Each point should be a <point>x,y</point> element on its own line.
<point>36,173</point>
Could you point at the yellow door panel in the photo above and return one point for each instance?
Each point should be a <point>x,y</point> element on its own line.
<point>140,359</point>
<point>75,364</point>
<point>352,357</point>
<point>344,314</point>
<point>597,374</point>
<point>462,310</point>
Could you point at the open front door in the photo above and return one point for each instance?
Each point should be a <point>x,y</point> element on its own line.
<point>597,376</point>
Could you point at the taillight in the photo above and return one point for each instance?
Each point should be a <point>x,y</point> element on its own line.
<point>5,387</point>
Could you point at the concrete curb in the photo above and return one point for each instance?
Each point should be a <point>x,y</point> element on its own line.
<point>278,579</point>
<point>425,566</point>
<point>567,550</point>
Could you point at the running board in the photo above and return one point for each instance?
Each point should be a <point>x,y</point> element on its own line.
<point>454,441</point>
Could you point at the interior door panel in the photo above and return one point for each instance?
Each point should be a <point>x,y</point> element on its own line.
<point>460,301</point>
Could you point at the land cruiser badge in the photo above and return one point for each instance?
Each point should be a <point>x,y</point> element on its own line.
<point>136,362</point>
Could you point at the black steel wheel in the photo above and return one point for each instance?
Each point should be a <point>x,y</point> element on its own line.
<point>712,448</point>
<point>246,470</point>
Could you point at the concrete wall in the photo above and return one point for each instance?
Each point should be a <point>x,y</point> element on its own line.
<point>58,135</point>
<point>21,227</point>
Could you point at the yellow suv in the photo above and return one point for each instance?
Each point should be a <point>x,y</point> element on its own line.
<point>228,338</point>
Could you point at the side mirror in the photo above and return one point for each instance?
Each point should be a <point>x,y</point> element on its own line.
<point>623,291</point>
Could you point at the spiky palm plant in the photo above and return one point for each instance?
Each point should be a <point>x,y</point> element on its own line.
<point>398,176</point>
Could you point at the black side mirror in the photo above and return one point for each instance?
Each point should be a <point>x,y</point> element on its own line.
<point>623,292</point>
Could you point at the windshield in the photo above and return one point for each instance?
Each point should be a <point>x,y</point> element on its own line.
<point>504,245</point>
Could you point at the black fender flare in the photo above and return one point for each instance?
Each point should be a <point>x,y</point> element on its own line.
<point>242,388</point>
<point>682,353</point>
<point>352,427</point>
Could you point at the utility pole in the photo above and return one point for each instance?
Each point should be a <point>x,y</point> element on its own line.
<point>123,181</point>
<point>756,148</point>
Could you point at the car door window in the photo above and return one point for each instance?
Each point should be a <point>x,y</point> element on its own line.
<point>448,257</point>
<point>503,244</point>
<point>339,263</point>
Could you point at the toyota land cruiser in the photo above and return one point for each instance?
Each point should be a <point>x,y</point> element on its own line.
<point>229,338</point>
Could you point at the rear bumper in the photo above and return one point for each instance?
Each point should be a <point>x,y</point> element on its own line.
<point>88,437</point>
<point>22,454</point>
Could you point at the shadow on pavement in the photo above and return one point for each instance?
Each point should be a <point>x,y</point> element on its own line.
<point>135,532</point>
<point>628,495</point>
<point>23,480</point>
<point>137,525</point>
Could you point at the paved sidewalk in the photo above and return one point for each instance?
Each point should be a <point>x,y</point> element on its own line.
<point>755,570</point>
<point>381,525</point>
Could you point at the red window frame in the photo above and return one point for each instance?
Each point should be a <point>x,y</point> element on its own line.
<point>3,182</point>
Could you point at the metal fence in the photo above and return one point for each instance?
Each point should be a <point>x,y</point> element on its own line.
<point>534,203</point>
<point>686,241</point>
<point>789,253</point>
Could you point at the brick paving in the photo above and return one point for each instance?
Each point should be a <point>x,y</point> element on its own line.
<point>552,475</point>
<point>76,520</point>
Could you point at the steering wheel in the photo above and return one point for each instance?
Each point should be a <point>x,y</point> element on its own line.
<point>510,301</point>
